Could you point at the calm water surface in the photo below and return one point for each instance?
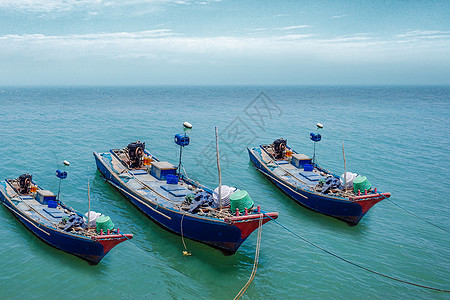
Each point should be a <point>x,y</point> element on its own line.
<point>398,137</point>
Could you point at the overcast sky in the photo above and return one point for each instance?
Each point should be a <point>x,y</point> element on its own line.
<point>149,42</point>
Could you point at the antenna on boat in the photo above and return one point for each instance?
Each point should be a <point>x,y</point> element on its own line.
<point>316,137</point>
<point>61,175</point>
<point>182,139</point>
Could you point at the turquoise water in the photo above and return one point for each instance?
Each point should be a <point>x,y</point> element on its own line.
<point>398,137</point>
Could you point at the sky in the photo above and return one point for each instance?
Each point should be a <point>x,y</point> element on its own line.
<point>224,42</point>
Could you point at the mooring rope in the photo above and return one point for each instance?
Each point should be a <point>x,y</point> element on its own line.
<point>413,214</point>
<point>355,264</point>
<point>409,212</point>
<point>185,252</point>
<point>255,262</point>
<point>159,261</point>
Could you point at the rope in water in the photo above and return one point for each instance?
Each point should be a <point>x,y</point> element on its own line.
<point>355,264</point>
<point>411,213</point>
<point>255,263</point>
<point>159,261</point>
<point>185,252</point>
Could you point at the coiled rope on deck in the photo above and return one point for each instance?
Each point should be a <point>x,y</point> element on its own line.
<point>355,264</point>
<point>255,262</point>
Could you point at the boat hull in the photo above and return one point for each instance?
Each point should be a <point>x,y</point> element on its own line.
<point>217,233</point>
<point>342,209</point>
<point>89,249</point>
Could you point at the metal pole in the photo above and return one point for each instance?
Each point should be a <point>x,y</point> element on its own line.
<point>89,209</point>
<point>314,156</point>
<point>179,162</point>
<point>181,152</point>
<point>218,168</point>
<point>345,167</point>
<point>66,163</point>
<point>59,189</point>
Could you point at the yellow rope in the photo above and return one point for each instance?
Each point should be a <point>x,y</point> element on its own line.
<point>185,252</point>
<point>255,263</point>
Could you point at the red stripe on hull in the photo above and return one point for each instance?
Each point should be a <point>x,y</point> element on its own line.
<point>367,201</point>
<point>110,241</point>
<point>248,224</point>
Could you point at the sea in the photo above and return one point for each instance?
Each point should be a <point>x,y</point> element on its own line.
<point>396,136</point>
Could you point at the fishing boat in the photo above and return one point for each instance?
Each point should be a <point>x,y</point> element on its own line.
<point>57,224</point>
<point>347,198</point>
<point>178,203</point>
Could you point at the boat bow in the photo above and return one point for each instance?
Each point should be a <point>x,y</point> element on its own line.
<point>248,223</point>
<point>110,241</point>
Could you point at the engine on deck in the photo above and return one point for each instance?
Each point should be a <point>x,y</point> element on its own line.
<point>279,147</point>
<point>25,183</point>
<point>135,153</point>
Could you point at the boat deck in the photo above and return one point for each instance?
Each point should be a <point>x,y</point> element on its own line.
<point>29,206</point>
<point>290,173</point>
<point>157,191</point>
<point>42,213</point>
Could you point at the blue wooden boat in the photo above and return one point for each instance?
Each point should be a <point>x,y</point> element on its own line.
<point>164,195</point>
<point>55,223</point>
<point>312,186</point>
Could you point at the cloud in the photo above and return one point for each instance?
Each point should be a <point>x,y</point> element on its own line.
<point>338,17</point>
<point>167,56</point>
<point>50,5</point>
<point>164,48</point>
<point>425,34</point>
<point>258,29</point>
<point>98,37</point>
<point>207,2</point>
<point>294,27</point>
<point>293,37</point>
<point>67,5</point>
<point>358,37</point>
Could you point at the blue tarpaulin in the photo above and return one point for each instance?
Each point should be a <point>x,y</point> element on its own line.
<point>331,183</point>
<point>74,220</point>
